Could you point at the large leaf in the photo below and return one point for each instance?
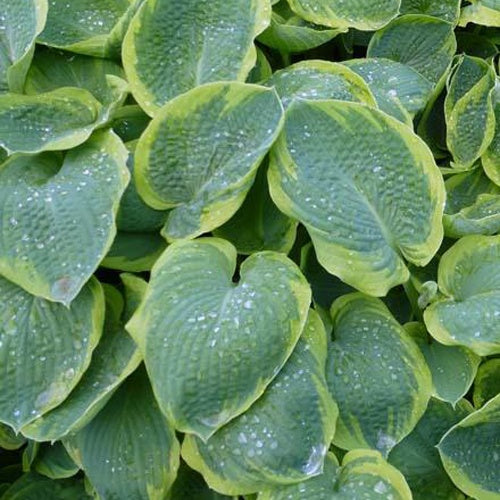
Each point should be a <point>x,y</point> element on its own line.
<point>469,112</point>
<point>172,47</point>
<point>487,382</point>
<point>129,451</point>
<point>448,10</point>
<point>20,23</point>
<point>284,436</point>
<point>318,80</point>
<point>417,457</point>
<point>201,152</point>
<point>61,119</point>
<point>58,223</point>
<point>485,12</point>
<point>114,359</point>
<point>197,330</point>
<point>425,43</point>
<point>491,157</point>
<point>469,312</point>
<point>258,224</point>
<point>399,90</point>
<point>360,14</point>
<point>364,474</point>
<point>44,349</point>
<point>92,27</point>
<point>338,168</point>
<point>470,452</point>
<point>376,374</point>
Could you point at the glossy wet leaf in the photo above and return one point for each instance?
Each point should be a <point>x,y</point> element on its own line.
<point>58,221</point>
<point>267,445</point>
<point>417,457</point>
<point>197,330</point>
<point>425,43</point>
<point>20,23</point>
<point>54,462</point>
<point>491,157</point>
<point>319,80</point>
<point>336,168</point>
<point>360,14</point>
<point>469,112</point>
<point>258,224</point>
<point>114,359</point>
<point>483,12</point>
<point>363,474</point>
<point>129,450</point>
<point>376,374</point>
<point>487,382</point>
<point>470,452</point>
<point>44,349</point>
<point>399,90</point>
<point>448,10</point>
<point>469,311</point>
<point>200,154</point>
<point>173,47</point>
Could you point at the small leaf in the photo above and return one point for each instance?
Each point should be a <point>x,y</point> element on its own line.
<point>54,462</point>
<point>376,374</point>
<point>9,440</point>
<point>469,312</point>
<point>487,382</point>
<point>171,48</point>
<point>470,452</point>
<point>491,157</point>
<point>200,154</point>
<point>484,12</point>
<point>268,444</point>
<point>197,330</point>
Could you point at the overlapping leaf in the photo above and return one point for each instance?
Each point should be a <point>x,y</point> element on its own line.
<point>448,10</point>
<point>487,382</point>
<point>485,12</point>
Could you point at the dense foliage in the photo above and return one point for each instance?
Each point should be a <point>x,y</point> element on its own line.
<point>249,249</point>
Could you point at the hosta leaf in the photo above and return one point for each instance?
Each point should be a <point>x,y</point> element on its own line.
<point>360,14</point>
<point>267,445</point>
<point>9,440</point>
<point>487,383</point>
<point>417,457</point>
<point>61,119</point>
<point>197,330</point>
<point>470,452</point>
<point>44,349</point>
<point>134,215</point>
<point>476,45</point>
<point>399,90</point>
<point>262,69</point>
<point>469,112</point>
<point>376,374</point>
<point>114,359</point>
<point>337,168</point>
<point>425,43</point>
<point>59,223</point>
<point>491,157</point>
<point>20,23</point>
<point>291,33</point>
<point>129,122</point>
<point>129,450</point>
<point>32,486</point>
<point>134,252</point>
<point>200,154</point>
<point>485,12</point>
<point>172,47</point>
<point>258,224</point>
<point>86,26</point>
<point>318,80</point>
<point>448,10</point>
<point>364,474</point>
<point>53,461</point>
<point>469,312</point>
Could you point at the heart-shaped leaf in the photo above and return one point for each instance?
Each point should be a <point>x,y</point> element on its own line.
<point>58,224</point>
<point>337,168</point>
<point>469,112</point>
<point>129,449</point>
<point>361,14</point>
<point>20,23</point>
<point>267,445</point>
<point>201,152</point>
<point>487,382</point>
<point>417,457</point>
<point>364,474</point>
<point>448,10</point>
<point>470,452</point>
<point>469,312</point>
<point>425,43</point>
<point>197,330</point>
<point>44,349</point>
<point>171,48</point>
<point>376,374</point>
